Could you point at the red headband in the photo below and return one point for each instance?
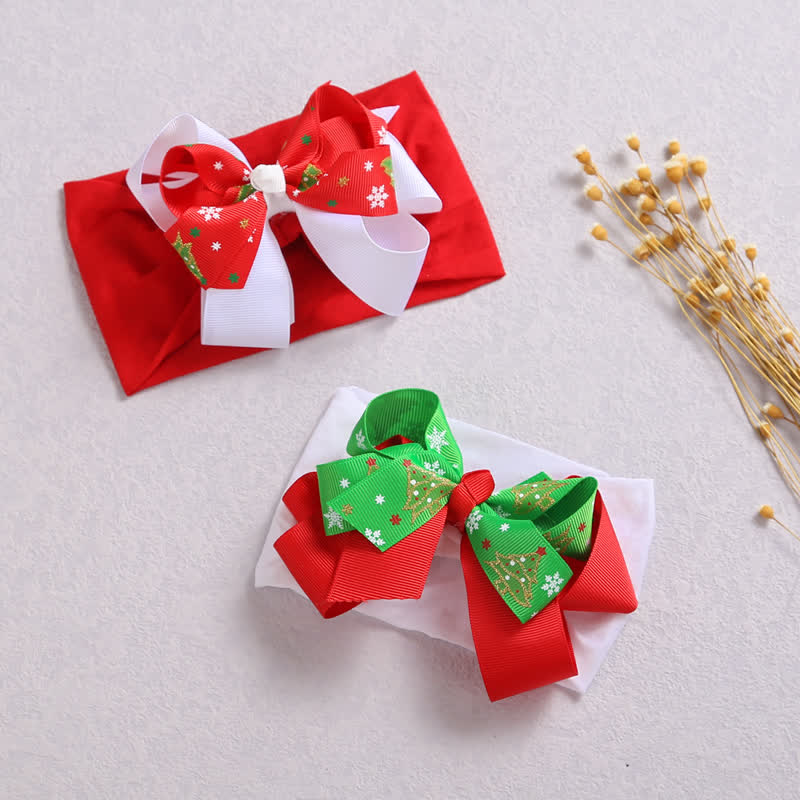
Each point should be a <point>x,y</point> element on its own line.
<point>148,305</point>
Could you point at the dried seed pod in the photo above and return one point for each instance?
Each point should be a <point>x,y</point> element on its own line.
<point>698,165</point>
<point>599,232</point>
<point>692,299</point>
<point>593,192</point>
<point>674,170</point>
<point>772,411</point>
<point>723,293</point>
<point>583,155</point>
<point>635,187</point>
<point>646,203</point>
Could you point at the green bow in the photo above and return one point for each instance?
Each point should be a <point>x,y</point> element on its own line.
<point>518,535</point>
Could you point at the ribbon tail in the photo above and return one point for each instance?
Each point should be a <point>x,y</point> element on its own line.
<point>513,657</point>
<point>602,583</point>
<point>260,314</point>
<point>378,258</point>
<point>339,572</point>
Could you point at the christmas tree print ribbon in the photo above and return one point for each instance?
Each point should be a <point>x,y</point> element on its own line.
<point>368,527</point>
<point>348,179</point>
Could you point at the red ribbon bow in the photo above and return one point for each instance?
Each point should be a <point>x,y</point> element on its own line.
<point>339,572</point>
<point>337,159</point>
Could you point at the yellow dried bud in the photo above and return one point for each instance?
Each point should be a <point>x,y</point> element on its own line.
<point>674,146</point>
<point>583,155</point>
<point>721,259</point>
<point>644,172</point>
<point>599,232</point>
<point>645,218</point>
<point>767,512</point>
<point>787,334</point>
<point>590,169</point>
<point>696,283</point>
<point>757,291</point>
<point>763,281</point>
<point>705,202</point>
<point>723,293</point>
<point>673,205</point>
<point>692,299</point>
<point>715,314</point>
<point>698,165</point>
<point>684,159</point>
<point>650,242</point>
<point>669,242</point>
<point>772,411</point>
<point>764,430</point>
<point>751,251</point>
<point>674,170</point>
<point>623,188</point>
<point>593,192</point>
<point>678,234</point>
<point>633,141</point>
<point>651,190</point>
<point>646,203</point>
<point>635,187</point>
<point>729,244</point>
<point>641,253</point>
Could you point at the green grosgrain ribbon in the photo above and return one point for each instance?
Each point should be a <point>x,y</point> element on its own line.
<point>518,535</point>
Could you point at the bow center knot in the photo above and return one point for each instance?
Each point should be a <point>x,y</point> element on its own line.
<point>268,178</point>
<point>476,487</point>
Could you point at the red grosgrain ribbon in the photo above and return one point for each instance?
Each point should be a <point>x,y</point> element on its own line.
<point>528,553</point>
<point>329,162</point>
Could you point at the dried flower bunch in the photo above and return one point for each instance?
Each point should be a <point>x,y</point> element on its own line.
<point>716,285</point>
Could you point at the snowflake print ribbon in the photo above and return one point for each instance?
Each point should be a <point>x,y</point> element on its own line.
<point>536,549</point>
<point>347,178</point>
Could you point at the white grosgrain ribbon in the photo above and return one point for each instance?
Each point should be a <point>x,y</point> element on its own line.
<point>378,258</point>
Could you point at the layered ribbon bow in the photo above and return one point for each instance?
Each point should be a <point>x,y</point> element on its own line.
<point>348,179</point>
<point>369,525</point>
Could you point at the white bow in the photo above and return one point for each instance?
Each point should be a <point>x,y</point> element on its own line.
<point>377,258</point>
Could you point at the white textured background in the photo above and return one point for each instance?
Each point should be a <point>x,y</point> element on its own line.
<point>137,661</point>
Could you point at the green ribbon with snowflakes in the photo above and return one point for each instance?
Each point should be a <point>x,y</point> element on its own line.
<point>519,535</point>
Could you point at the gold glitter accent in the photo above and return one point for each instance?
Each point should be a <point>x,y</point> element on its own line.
<point>536,495</point>
<point>517,575</point>
<point>424,486</point>
<point>560,541</point>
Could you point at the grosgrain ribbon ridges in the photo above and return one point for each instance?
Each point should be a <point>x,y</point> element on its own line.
<point>348,179</point>
<point>369,525</point>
